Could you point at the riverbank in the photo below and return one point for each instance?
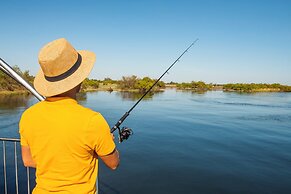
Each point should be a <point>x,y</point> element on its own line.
<point>108,87</point>
<point>7,92</point>
<point>253,87</point>
<point>114,87</point>
<point>136,84</point>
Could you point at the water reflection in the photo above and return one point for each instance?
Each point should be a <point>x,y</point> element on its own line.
<point>13,101</point>
<point>193,92</point>
<point>239,93</point>
<point>133,96</point>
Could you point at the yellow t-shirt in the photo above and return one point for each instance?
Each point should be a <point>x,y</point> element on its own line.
<point>64,138</point>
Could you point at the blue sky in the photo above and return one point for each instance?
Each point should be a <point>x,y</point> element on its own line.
<point>239,41</point>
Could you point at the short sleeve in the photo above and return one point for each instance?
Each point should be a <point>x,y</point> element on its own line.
<point>23,140</point>
<point>101,139</point>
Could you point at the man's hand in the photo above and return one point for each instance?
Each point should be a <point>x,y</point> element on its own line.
<point>113,137</point>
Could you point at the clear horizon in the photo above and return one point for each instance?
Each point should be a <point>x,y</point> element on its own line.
<point>239,42</point>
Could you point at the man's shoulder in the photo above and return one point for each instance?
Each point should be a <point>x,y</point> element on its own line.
<point>32,109</point>
<point>85,110</point>
<point>43,108</point>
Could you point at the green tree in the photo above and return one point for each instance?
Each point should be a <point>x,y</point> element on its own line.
<point>9,84</point>
<point>128,82</point>
<point>144,84</point>
<point>89,84</point>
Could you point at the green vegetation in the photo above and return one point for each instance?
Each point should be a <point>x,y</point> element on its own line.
<point>135,83</point>
<point>90,84</point>
<point>128,82</point>
<point>109,81</point>
<point>9,85</point>
<point>257,87</point>
<point>195,86</point>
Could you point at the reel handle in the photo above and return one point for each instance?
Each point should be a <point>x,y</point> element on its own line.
<point>124,133</point>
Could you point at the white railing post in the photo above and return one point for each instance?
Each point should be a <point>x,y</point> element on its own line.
<point>4,166</point>
<point>15,141</point>
<point>16,167</point>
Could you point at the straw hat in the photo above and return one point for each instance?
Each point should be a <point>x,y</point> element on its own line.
<point>62,67</point>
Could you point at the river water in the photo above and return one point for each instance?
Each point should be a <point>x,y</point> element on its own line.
<point>186,142</point>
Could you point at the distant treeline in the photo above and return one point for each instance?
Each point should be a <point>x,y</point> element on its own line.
<point>141,84</point>
<point>257,87</point>
<point>238,87</point>
<point>126,83</point>
<point>196,86</point>
<point>9,84</point>
<point>133,83</point>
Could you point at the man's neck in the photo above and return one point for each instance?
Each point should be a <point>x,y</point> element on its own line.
<point>71,93</point>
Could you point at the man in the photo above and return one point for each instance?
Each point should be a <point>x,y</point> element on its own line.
<point>60,138</point>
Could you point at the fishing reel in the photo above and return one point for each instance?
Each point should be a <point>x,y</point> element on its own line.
<point>124,133</point>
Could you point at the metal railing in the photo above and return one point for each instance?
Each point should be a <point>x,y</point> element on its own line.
<point>15,143</point>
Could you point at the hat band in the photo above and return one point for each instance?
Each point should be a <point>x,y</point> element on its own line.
<point>67,73</point>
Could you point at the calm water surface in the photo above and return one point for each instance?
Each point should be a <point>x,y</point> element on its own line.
<point>186,142</point>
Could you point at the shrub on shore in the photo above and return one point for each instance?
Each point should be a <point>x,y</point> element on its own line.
<point>135,83</point>
<point>90,84</point>
<point>9,84</point>
<point>196,86</point>
<point>253,87</point>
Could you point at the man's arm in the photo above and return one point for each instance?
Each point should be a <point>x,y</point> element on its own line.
<point>103,141</point>
<point>111,160</point>
<point>26,157</point>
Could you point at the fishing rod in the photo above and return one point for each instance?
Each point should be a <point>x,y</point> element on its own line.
<point>8,70</point>
<point>125,132</point>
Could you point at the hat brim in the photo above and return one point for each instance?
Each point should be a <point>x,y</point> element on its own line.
<point>47,88</point>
